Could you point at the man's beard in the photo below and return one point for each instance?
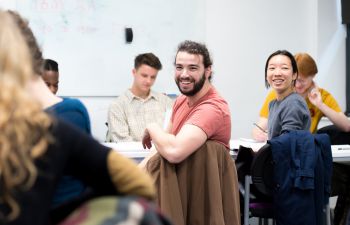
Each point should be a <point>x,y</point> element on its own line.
<point>196,88</point>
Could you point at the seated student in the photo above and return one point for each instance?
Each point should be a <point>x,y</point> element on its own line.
<point>288,111</point>
<point>70,110</point>
<point>289,137</point>
<point>320,102</point>
<point>200,114</point>
<point>51,75</point>
<point>36,149</point>
<point>139,106</point>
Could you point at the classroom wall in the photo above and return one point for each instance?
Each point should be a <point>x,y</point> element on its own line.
<point>87,38</point>
<point>240,35</point>
<point>331,36</point>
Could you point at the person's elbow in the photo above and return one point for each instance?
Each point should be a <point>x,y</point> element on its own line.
<point>346,127</point>
<point>174,157</point>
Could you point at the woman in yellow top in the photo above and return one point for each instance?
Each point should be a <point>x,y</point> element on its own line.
<point>320,102</point>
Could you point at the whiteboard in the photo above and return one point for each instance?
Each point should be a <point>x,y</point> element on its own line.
<point>87,39</point>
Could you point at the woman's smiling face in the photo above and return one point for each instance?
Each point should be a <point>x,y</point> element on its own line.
<point>280,74</point>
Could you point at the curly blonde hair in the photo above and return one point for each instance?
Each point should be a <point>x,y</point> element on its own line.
<point>24,127</point>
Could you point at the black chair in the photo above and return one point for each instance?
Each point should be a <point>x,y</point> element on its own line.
<point>262,170</point>
<point>261,181</point>
<point>258,185</point>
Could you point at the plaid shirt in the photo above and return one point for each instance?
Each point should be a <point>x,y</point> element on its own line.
<point>129,115</point>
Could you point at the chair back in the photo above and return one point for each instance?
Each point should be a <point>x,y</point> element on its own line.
<point>202,189</point>
<point>262,170</point>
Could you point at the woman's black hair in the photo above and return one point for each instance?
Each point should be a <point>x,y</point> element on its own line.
<point>281,52</point>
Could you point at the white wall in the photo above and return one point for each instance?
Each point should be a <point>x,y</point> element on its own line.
<point>331,49</point>
<point>87,38</point>
<point>240,35</point>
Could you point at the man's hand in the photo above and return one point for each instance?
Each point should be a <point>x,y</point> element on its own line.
<point>146,140</point>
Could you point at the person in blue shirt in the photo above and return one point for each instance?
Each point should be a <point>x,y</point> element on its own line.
<point>74,112</point>
<point>69,109</point>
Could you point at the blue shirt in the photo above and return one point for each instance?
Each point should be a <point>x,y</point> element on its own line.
<point>74,112</point>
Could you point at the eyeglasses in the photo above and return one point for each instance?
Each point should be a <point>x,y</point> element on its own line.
<point>303,81</point>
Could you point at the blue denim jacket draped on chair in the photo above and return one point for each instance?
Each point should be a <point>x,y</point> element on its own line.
<point>302,176</point>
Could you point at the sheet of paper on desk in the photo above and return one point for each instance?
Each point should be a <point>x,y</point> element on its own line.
<point>126,146</point>
<point>246,142</point>
<point>340,147</point>
<point>341,154</point>
<point>133,150</point>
